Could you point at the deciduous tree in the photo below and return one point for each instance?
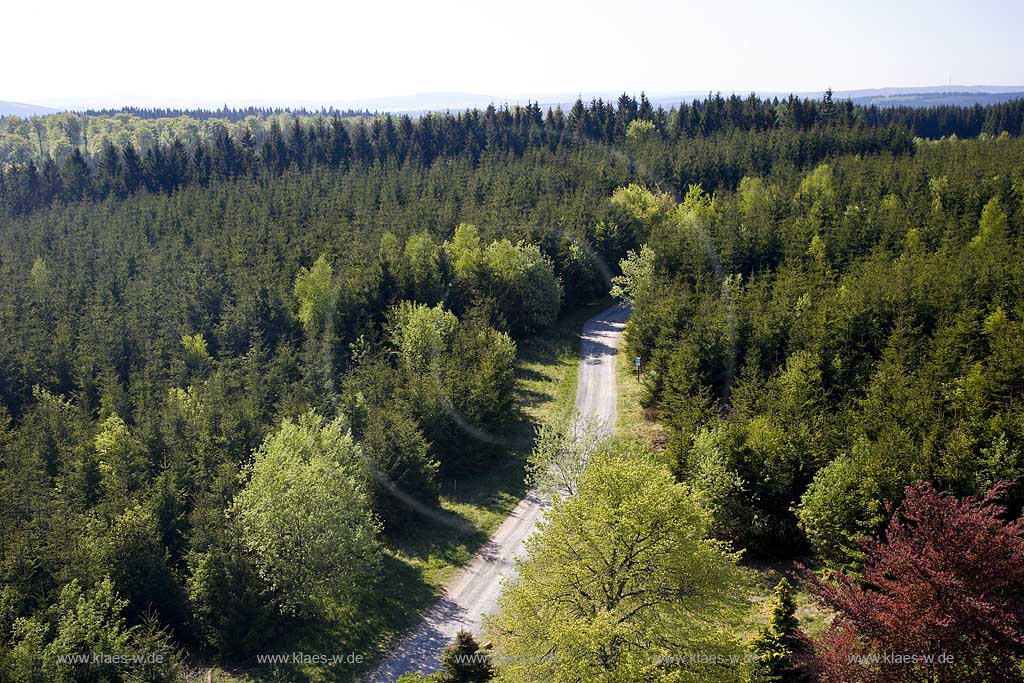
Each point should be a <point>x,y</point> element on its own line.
<point>305,516</point>
<point>619,584</point>
<point>943,582</point>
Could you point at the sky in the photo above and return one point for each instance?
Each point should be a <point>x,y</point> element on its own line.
<point>208,52</point>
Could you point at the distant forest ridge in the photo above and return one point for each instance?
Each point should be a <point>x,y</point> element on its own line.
<point>878,98</point>
<point>71,157</point>
<point>939,99</point>
<point>225,113</point>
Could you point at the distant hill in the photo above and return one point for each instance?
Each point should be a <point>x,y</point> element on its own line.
<point>20,109</point>
<point>225,113</point>
<point>434,101</point>
<point>956,99</point>
<point>927,96</point>
<point>932,90</point>
<point>419,103</point>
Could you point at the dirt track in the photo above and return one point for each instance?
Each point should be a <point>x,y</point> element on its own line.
<point>474,592</point>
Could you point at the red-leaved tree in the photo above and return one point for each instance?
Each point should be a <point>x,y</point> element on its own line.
<point>946,582</point>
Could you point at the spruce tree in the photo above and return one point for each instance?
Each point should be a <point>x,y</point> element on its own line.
<point>645,110</point>
<point>464,662</point>
<point>777,643</point>
<point>131,169</point>
<point>77,176</point>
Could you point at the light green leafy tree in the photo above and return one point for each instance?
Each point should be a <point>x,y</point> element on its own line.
<point>642,204</point>
<point>754,197</point>
<point>619,579</point>
<point>424,262</point>
<point>712,475</point>
<point>465,252</point>
<point>817,250</point>
<point>637,273</point>
<point>841,507</point>
<point>22,661</point>
<point>992,225</point>
<point>316,293</point>
<point>196,355</point>
<point>641,131</point>
<point>818,185</point>
<point>90,622</point>
<point>517,280</point>
<point>39,276</point>
<point>305,516</point>
<point>122,462</point>
<point>421,334</point>
<point>523,282</point>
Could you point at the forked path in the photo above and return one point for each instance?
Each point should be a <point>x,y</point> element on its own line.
<point>474,592</point>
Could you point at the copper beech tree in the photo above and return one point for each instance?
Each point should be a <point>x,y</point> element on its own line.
<point>941,597</point>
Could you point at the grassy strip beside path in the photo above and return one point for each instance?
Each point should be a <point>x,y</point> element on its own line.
<point>634,422</point>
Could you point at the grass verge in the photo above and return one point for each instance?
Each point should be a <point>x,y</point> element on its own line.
<point>634,422</point>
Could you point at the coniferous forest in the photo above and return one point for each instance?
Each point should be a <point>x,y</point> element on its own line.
<point>243,352</point>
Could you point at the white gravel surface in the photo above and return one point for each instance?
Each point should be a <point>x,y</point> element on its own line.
<point>474,592</point>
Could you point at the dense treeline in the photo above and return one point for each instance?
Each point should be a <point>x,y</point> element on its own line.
<point>57,160</point>
<point>948,120</point>
<point>38,138</point>
<point>57,136</point>
<point>168,357</point>
<point>816,343</point>
<point>225,113</point>
<point>836,355</point>
<point>214,347</point>
<point>813,132</point>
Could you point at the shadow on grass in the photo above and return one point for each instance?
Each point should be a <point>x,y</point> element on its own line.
<point>472,507</point>
<point>532,399</point>
<point>451,539</point>
<point>552,349</point>
<point>528,375</point>
<point>351,639</point>
<point>402,596</point>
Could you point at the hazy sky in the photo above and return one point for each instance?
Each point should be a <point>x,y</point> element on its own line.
<point>205,51</point>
